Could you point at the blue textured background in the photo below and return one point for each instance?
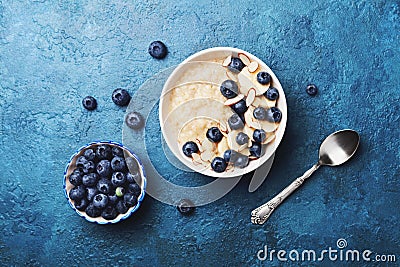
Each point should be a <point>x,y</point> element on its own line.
<point>53,53</point>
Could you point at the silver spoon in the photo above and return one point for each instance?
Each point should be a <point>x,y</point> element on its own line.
<point>336,149</point>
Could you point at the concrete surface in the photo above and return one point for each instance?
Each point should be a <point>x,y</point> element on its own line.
<point>53,53</point>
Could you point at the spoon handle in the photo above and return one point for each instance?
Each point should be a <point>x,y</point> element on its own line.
<point>262,213</point>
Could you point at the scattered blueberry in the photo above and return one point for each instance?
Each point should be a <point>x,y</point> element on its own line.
<point>272,93</point>
<point>81,204</point>
<point>103,168</point>
<point>117,151</point>
<point>218,164</point>
<point>260,113</point>
<point>134,189</point>
<point>92,211</point>
<point>263,77</point>
<point>236,65</point>
<point>119,191</point>
<point>77,193</point>
<point>228,154</point>
<point>132,177</point>
<point>75,177</point>
<point>274,114</point>
<point>89,103</point>
<point>121,97</point>
<point>235,122</point>
<point>118,179</point>
<point>256,149</point>
<point>134,120</point>
<point>229,89</point>
<point>158,50</point>
<point>109,213</point>
<point>214,134</point>
<point>103,152</point>
<point>259,135</point>
<point>185,207</point>
<point>90,179</point>
<point>312,89</point>
<point>242,138</point>
<point>130,199</point>
<point>91,192</point>
<point>122,207</point>
<point>104,185</point>
<point>240,107</point>
<point>189,148</point>
<point>100,201</point>
<point>118,164</point>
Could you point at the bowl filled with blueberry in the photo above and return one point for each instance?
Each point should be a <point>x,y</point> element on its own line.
<point>104,182</point>
<point>223,112</point>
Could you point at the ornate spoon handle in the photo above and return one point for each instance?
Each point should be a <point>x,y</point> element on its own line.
<point>262,213</point>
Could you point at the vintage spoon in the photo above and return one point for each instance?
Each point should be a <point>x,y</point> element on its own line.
<point>336,149</point>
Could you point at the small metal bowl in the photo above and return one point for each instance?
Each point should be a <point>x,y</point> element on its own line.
<point>67,186</point>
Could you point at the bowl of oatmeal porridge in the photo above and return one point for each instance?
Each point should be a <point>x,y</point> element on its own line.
<point>223,112</point>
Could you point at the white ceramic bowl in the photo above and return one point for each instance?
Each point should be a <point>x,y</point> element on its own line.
<point>68,186</point>
<point>175,79</point>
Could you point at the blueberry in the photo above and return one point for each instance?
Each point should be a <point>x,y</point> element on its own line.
<point>240,160</point>
<point>214,134</point>
<point>312,89</point>
<point>158,50</point>
<point>218,164</point>
<point>118,179</point>
<point>134,120</point>
<point>91,192</point>
<point>134,189</point>
<point>240,107</point>
<point>256,149</point>
<point>242,138</point>
<point>103,168</point>
<point>228,154</point>
<point>92,211</point>
<point>236,65</point>
<point>130,199</point>
<point>263,77</point>
<point>189,148</point>
<point>272,93</point>
<point>81,204</point>
<point>117,151</point>
<point>109,213</point>
<point>132,178</point>
<point>103,151</point>
<point>122,207</point>
<point>81,161</point>
<point>235,122</point>
<point>89,103</point>
<point>88,167</point>
<point>90,179</point>
<point>104,185</point>
<point>75,177</point>
<point>121,97</point>
<point>260,113</point>
<point>119,191</point>
<point>89,154</point>
<point>77,193</point>
<point>259,135</point>
<point>185,207</point>
<point>229,89</point>
<point>113,199</point>
<point>118,164</point>
<point>100,201</point>
<point>274,114</point>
